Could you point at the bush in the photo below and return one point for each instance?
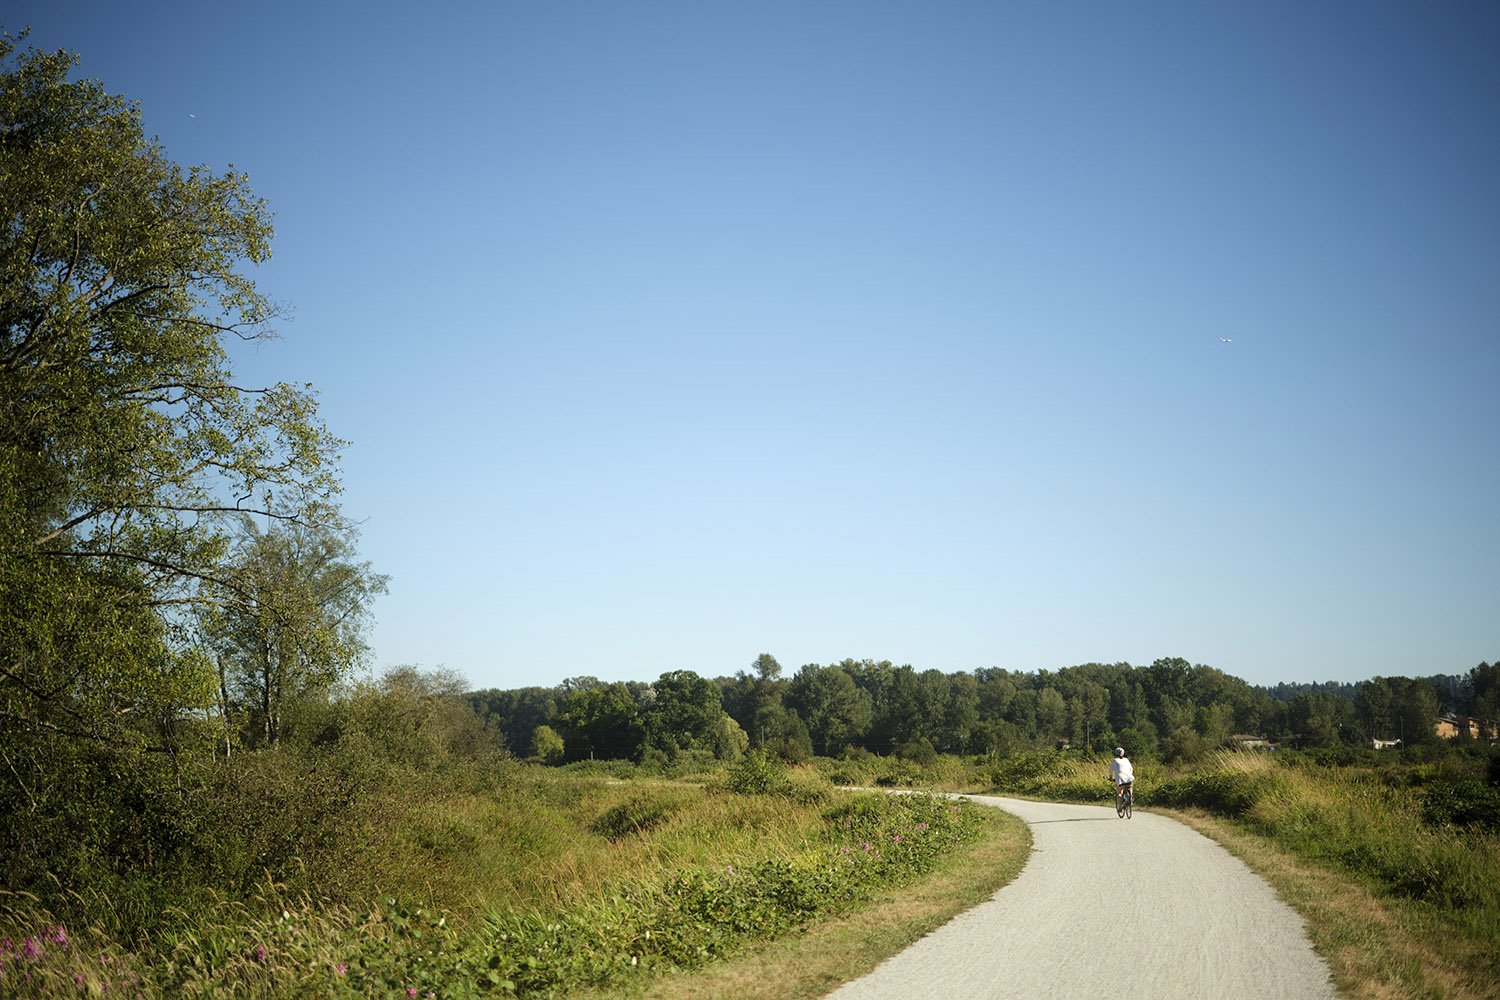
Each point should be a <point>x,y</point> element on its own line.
<point>757,773</point>
<point>635,815</point>
<point>1219,790</point>
<point>1462,802</point>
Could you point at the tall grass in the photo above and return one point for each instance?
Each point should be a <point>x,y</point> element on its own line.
<point>534,884</point>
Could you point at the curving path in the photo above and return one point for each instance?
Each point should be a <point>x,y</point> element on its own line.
<point>1105,909</point>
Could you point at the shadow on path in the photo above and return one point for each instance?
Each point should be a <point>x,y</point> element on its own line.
<point>1077,819</point>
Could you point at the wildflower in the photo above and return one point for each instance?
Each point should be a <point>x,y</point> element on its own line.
<point>32,949</point>
<point>60,935</point>
<point>342,968</point>
<point>77,979</point>
<point>260,953</point>
<point>411,991</point>
<point>846,848</point>
<point>897,838</point>
<point>730,869</point>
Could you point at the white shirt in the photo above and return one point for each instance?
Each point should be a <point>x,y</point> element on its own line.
<point>1121,771</point>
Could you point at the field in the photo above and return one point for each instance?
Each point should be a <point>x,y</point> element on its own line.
<point>527,881</point>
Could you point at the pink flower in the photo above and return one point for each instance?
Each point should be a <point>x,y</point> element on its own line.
<point>342,967</point>
<point>77,979</point>
<point>260,953</point>
<point>411,991</point>
<point>32,949</point>
<point>60,935</point>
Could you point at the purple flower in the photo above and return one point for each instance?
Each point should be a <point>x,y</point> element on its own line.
<point>32,949</point>
<point>77,979</point>
<point>60,935</point>
<point>342,967</point>
<point>411,991</point>
<point>897,838</point>
<point>260,953</point>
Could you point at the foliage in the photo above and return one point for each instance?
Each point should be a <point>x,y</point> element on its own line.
<point>757,773</point>
<point>292,622</point>
<point>282,942</point>
<point>546,745</point>
<point>125,443</point>
<point>637,814</point>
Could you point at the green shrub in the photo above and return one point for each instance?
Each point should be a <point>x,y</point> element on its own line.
<point>757,773</point>
<point>635,815</point>
<point>1228,793</point>
<point>1462,802</point>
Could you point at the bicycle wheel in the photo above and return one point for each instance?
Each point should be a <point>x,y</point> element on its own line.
<point>1129,803</point>
<point>1120,806</point>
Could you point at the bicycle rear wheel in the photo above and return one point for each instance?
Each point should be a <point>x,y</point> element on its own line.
<point>1129,803</point>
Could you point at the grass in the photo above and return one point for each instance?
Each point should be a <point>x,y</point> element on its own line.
<point>542,885</point>
<point>837,950</point>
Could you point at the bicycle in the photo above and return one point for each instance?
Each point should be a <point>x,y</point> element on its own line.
<point>1125,804</point>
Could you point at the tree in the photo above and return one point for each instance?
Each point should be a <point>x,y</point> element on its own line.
<point>292,621</point>
<point>602,720</point>
<point>1484,690</point>
<point>125,442</point>
<point>837,712</point>
<point>547,746</point>
<point>686,712</point>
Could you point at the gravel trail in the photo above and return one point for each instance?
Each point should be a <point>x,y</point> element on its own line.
<point>1106,909</point>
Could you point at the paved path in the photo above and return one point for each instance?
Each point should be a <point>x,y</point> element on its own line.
<point>1106,909</point>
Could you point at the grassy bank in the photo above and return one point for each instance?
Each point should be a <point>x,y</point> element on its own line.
<point>530,883</point>
<point>836,950</point>
<point>1396,866</point>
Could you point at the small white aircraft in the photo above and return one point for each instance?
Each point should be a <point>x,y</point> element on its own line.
<point>1225,340</point>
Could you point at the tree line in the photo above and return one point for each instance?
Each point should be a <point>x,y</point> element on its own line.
<point>1171,708</point>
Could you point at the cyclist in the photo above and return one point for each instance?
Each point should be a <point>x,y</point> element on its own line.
<point>1121,773</point>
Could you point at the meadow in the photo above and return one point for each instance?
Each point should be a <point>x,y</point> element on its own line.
<point>360,869</point>
<point>518,880</point>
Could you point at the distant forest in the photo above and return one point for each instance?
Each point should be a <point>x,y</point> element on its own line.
<point>1172,709</point>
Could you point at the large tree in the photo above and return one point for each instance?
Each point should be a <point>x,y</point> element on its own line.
<point>126,443</point>
<point>291,623</point>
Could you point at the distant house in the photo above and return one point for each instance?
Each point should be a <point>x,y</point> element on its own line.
<point>1385,744</point>
<point>1244,741</point>
<point>1452,726</point>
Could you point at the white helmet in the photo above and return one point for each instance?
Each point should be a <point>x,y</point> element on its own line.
<point>1119,751</point>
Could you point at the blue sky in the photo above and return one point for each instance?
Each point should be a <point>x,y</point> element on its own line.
<point>667,334</point>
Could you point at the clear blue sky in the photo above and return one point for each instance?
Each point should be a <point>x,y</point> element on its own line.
<point>666,334</point>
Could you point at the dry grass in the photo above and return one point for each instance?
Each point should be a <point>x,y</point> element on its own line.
<point>835,951</point>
